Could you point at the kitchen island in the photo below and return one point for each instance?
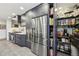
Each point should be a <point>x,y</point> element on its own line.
<point>18,38</point>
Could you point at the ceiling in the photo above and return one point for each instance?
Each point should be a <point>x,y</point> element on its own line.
<point>6,9</point>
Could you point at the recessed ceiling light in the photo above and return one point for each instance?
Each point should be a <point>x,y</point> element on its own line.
<point>22,8</point>
<point>55,9</point>
<point>13,14</point>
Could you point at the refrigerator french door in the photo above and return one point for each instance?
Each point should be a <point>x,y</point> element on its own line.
<point>39,35</point>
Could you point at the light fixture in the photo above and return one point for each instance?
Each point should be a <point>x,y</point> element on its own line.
<point>55,9</point>
<point>13,14</point>
<point>22,8</point>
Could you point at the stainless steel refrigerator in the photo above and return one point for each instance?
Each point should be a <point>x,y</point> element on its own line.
<point>39,36</point>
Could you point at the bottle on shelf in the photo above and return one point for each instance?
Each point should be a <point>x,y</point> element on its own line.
<point>51,21</point>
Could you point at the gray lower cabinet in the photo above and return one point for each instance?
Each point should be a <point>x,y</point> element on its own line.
<point>28,44</point>
<point>21,40</point>
<point>18,39</point>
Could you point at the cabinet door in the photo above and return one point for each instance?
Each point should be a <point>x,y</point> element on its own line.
<point>18,39</point>
<point>28,44</point>
<point>22,40</point>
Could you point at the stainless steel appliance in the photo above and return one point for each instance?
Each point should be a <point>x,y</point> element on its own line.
<point>39,35</point>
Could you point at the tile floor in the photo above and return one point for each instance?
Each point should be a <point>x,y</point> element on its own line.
<point>9,49</point>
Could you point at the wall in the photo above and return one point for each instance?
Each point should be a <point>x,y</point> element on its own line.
<point>8,28</point>
<point>3,31</point>
<point>2,34</point>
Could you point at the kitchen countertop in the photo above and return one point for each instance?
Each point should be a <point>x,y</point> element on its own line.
<point>20,33</point>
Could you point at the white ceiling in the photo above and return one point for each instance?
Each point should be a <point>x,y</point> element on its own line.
<point>6,9</point>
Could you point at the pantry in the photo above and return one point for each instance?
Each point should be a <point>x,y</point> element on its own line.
<point>67,28</point>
